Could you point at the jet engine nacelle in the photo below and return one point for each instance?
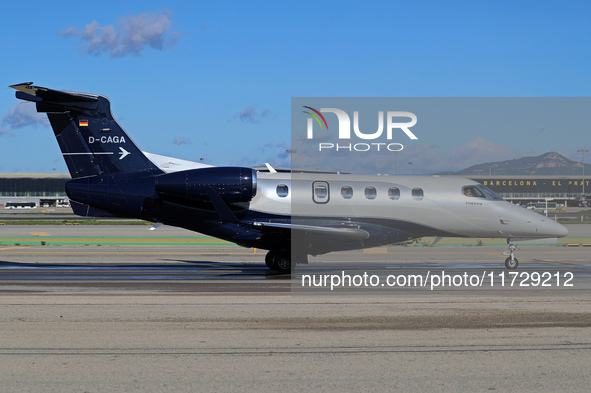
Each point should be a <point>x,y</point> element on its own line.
<point>232,184</point>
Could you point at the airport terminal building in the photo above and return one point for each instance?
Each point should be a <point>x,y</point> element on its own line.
<point>27,190</point>
<point>565,190</point>
<point>47,190</point>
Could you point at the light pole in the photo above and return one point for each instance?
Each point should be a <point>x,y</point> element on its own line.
<point>410,168</point>
<point>583,151</point>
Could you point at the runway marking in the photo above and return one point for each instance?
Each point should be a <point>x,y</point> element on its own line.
<point>36,243</point>
<point>376,250</point>
<point>39,234</point>
<point>101,240</point>
<point>80,252</point>
<point>209,241</point>
<point>302,350</point>
<point>394,253</point>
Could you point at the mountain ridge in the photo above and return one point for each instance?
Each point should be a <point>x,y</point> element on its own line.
<point>546,164</point>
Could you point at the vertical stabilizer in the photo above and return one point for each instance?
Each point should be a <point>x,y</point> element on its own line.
<point>91,141</point>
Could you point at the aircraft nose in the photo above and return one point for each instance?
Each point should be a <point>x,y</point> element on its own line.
<point>551,228</point>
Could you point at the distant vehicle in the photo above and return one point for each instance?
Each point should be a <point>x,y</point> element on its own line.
<point>543,205</point>
<point>256,208</point>
<point>20,205</point>
<point>584,200</point>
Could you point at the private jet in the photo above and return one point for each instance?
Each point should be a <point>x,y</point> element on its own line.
<point>290,213</point>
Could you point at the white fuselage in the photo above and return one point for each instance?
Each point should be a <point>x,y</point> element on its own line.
<point>443,206</point>
<point>443,210</point>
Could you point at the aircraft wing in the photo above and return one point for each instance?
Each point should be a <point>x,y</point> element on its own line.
<point>228,217</point>
<point>353,233</point>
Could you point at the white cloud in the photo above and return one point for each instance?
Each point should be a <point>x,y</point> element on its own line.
<point>129,37</point>
<point>181,140</point>
<point>250,114</point>
<point>22,114</point>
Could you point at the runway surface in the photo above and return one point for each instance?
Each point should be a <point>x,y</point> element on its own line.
<point>169,310</point>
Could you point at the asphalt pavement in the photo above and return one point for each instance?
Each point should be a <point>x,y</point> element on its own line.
<point>170,310</point>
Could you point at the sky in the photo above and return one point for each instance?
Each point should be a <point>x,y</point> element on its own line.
<point>213,80</point>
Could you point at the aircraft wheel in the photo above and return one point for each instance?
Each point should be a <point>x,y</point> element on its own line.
<point>270,260</point>
<point>282,262</point>
<point>511,263</point>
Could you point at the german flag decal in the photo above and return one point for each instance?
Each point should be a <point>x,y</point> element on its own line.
<point>83,123</point>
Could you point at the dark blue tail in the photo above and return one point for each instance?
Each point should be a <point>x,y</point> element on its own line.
<point>92,142</point>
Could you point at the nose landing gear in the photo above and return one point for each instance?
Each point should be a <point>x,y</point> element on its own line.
<point>511,262</point>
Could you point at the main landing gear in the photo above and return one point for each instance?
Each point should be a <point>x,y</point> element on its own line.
<point>511,262</point>
<point>279,260</point>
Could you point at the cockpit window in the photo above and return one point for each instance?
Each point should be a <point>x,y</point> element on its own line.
<point>473,192</point>
<point>480,191</point>
<point>489,193</point>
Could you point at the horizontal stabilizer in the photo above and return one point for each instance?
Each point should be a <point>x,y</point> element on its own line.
<point>28,92</point>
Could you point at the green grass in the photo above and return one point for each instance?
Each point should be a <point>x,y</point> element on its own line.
<point>587,220</point>
<point>74,222</point>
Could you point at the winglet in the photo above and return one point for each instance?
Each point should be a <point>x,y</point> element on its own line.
<point>270,168</point>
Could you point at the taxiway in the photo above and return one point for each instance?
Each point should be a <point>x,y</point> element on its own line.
<point>168,310</point>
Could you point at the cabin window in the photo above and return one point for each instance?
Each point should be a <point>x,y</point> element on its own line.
<point>320,192</point>
<point>473,192</point>
<point>282,190</point>
<point>417,193</point>
<point>347,192</point>
<point>370,192</point>
<point>394,193</point>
